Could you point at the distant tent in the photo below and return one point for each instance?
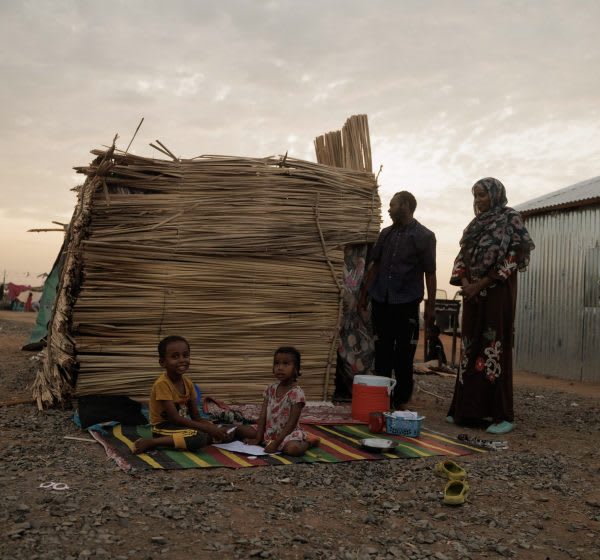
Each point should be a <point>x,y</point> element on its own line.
<point>40,330</point>
<point>13,291</point>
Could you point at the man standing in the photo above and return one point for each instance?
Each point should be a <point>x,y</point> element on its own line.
<point>403,254</point>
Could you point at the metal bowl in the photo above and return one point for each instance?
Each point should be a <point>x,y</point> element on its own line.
<point>378,444</point>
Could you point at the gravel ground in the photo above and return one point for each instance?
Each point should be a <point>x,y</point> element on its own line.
<point>538,499</point>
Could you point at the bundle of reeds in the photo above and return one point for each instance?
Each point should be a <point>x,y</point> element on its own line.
<point>349,148</point>
<point>239,255</point>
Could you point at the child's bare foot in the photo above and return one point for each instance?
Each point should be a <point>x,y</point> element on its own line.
<point>142,445</point>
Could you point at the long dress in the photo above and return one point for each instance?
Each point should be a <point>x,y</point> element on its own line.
<point>495,245</point>
<point>484,384</point>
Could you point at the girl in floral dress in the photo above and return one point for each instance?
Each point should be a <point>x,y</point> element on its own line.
<point>494,246</point>
<point>278,425</point>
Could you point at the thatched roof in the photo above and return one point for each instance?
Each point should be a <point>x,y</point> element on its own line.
<point>239,255</point>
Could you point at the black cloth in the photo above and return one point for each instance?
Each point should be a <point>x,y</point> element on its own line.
<point>402,255</point>
<point>435,350</point>
<point>105,408</point>
<point>397,333</point>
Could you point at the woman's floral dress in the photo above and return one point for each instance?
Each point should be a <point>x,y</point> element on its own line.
<point>496,245</point>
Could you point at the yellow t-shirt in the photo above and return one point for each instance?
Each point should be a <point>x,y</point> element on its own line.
<point>164,390</point>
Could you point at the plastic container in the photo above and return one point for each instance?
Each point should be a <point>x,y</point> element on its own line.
<point>370,393</point>
<point>409,427</point>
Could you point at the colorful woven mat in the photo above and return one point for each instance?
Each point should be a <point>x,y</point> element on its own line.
<point>337,444</point>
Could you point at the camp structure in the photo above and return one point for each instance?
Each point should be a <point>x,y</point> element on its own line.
<point>558,320</point>
<point>239,255</point>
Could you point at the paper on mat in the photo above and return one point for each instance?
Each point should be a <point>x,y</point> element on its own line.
<point>240,447</point>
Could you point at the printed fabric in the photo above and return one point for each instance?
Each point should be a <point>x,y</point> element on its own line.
<point>278,414</point>
<point>484,384</point>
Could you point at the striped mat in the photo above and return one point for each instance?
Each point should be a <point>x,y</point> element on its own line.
<point>338,443</point>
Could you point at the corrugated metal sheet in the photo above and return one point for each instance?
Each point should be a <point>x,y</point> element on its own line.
<point>555,332</point>
<point>588,190</point>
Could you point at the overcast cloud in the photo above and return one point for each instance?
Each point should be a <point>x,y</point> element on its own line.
<point>454,91</point>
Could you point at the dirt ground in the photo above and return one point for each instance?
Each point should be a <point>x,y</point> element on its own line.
<point>539,499</point>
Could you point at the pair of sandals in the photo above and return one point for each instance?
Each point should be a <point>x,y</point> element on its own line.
<point>457,487</point>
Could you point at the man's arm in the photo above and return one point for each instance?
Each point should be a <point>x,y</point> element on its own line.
<point>431,284</point>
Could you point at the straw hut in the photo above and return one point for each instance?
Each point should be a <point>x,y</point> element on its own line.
<point>240,255</point>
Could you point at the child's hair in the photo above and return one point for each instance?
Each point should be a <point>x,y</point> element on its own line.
<point>292,352</point>
<point>162,345</point>
<point>435,331</point>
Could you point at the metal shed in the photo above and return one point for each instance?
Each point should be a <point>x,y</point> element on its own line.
<point>558,305</point>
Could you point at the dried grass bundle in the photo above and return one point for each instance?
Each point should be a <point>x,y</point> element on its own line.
<point>239,255</point>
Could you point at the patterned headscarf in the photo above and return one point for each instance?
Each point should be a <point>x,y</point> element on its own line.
<point>495,190</point>
<point>496,240</point>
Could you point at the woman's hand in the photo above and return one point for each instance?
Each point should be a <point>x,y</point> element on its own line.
<point>252,441</point>
<point>471,290</point>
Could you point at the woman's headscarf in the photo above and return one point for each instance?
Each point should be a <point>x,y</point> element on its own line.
<point>496,240</point>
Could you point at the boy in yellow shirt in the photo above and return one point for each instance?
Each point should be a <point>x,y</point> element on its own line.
<point>174,415</point>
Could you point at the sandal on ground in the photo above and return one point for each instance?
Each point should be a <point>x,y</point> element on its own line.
<point>450,470</point>
<point>501,428</point>
<point>455,492</point>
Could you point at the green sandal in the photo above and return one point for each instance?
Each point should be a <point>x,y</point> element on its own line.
<point>450,470</point>
<point>455,492</point>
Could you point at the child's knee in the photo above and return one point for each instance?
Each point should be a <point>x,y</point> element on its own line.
<point>295,448</point>
<point>243,432</point>
<point>198,441</point>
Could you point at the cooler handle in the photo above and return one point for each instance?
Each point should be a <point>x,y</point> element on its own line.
<point>391,387</point>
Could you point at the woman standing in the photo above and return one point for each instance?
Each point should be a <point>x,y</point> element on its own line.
<point>494,246</point>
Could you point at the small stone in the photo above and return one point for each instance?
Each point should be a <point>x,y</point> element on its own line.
<point>158,540</point>
<point>300,539</point>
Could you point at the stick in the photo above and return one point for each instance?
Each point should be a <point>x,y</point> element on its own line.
<point>134,135</point>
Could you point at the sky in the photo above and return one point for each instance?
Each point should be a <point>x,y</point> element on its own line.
<point>454,91</point>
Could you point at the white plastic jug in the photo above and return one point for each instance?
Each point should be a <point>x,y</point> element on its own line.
<point>375,381</point>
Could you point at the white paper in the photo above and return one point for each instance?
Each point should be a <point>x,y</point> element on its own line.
<point>241,447</point>
<point>406,414</point>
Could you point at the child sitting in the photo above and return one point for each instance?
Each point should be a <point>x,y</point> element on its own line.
<point>277,428</point>
<point>173,412</point>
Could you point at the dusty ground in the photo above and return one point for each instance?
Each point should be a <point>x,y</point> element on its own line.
<point>539,499</point>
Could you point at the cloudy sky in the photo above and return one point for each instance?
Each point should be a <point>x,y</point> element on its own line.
<point>454,91</point>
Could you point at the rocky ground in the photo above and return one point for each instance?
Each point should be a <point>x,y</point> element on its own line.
<point>539,499</point>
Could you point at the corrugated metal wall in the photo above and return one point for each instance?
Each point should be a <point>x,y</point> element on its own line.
<point>558,308</point>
